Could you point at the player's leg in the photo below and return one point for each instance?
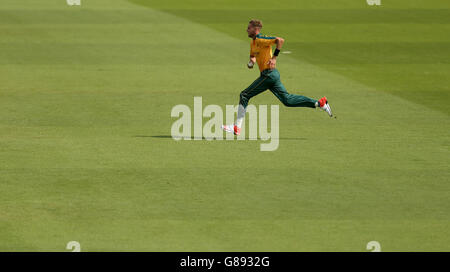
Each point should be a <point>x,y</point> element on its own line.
<point>292,100</point>
<point>258,86</point>
<point>295,100</point>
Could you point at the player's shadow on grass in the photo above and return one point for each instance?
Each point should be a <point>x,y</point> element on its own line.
<point>203,138</point>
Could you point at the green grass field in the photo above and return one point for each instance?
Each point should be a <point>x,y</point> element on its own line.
<point>86,154</point>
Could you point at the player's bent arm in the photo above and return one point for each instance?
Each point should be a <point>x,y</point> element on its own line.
<point>273,61</point>
<point>279,42</point>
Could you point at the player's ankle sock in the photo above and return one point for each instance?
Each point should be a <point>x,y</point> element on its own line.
<point>316,104</point>
<point>240,116</point>
<point>239,122</point>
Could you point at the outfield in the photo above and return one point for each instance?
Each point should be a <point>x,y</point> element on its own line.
<point>85,148</point>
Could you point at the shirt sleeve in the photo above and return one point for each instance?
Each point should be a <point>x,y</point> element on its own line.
<point>266,40</point>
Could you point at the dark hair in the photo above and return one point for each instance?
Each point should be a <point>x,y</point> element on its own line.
<point>256,23</point>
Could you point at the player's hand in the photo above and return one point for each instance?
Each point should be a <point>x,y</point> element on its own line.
<point>251,63</point>
<point>272,63</point>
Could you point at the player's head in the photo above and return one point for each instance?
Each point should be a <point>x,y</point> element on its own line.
<point>254,27</point>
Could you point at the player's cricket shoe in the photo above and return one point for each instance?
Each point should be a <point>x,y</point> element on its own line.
<point>323,104</point>
<point>232,129</point>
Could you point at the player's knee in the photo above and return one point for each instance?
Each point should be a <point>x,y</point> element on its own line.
<point>243,100</point>
<point>244,96</point>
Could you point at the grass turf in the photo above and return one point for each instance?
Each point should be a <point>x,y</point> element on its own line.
<point>85,152</point>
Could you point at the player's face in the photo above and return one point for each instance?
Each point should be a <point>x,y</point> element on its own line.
<point>252,31</point>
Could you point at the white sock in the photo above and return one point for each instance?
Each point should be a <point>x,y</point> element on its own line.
<point>240,116</point>
<point>317,104</point>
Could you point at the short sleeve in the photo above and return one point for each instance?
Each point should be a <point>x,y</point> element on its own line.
<point>265,40</point>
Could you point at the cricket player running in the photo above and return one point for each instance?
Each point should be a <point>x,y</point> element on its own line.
<point>261,52</point>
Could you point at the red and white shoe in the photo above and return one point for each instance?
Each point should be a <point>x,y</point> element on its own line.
<point>232,129</point>
<point>323,104</point>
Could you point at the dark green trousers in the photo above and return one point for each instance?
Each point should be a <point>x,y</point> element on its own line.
<point>270,79</point>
